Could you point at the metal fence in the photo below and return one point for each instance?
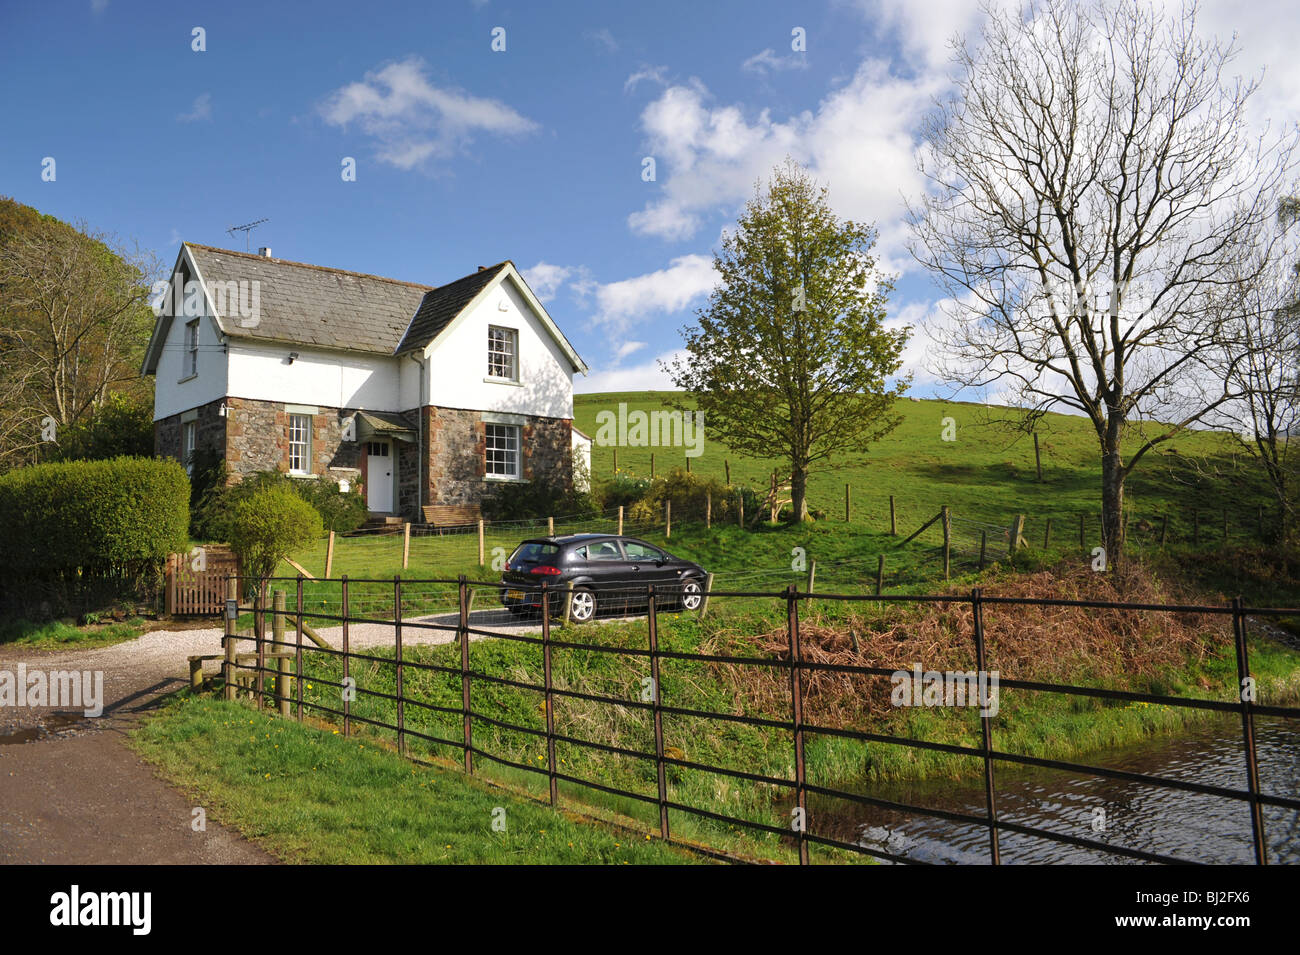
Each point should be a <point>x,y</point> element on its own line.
<point>250,671</point>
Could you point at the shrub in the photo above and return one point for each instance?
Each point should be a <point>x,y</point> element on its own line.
<point>689,494</point>
<point>84,532</point>
<point>213,509</point>
<point>267,525</point>
<point>539,498</point>
<point>624,490</point>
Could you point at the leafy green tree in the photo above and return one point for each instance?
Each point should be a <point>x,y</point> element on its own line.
<point>267,526</point>
<point>791,356</point>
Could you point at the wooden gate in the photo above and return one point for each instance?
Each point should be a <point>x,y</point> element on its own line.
<point>191,591</point>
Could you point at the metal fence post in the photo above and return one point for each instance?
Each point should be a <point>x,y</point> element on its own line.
<point>796,714</point>
<point>660,770</point>
<point>347,660</point>
<point>552,784</point>
<point>297,682</point>
<point>228,667</point>
<point>259,627</point>
<point>397,632</point>
<point>977,608</point>
<point>463,635</point>
<point>1248,731</point>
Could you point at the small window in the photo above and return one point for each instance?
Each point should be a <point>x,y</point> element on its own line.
<point>191,348</point>
<point>502,450</point>
<point>189,433</point>
<point>377,449</point>
<point>503,353</point>
<point>300,444</point>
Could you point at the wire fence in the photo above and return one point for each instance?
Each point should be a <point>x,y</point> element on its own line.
<point>462,704</point>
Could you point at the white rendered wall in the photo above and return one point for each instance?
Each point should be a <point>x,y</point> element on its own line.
<point>173,391</point>
<point>262,372</point>
<point>458,363</point>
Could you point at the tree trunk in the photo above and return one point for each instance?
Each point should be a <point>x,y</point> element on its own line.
<point>799,494</point>
<point>1112,508</point>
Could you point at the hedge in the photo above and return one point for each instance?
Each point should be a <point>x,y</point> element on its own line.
<point>84,531</point>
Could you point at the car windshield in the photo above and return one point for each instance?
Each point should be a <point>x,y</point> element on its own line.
<point>536,552</point>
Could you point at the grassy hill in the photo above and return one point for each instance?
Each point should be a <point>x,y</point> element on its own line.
<point>986,474</point>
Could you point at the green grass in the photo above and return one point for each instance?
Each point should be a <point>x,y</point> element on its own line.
<point>57,635</point>
<point>309,796</point>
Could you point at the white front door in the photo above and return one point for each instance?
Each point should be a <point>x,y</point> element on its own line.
<point>379,476</point>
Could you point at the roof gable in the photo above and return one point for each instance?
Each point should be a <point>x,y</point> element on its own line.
<point>440,307</point>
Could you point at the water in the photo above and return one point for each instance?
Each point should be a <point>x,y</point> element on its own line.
<point>1174,823</point>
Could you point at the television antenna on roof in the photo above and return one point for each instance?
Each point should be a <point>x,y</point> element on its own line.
<point>246,229</point>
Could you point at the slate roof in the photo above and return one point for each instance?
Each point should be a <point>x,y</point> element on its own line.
<point>441,305</point>
<point>313,305</point>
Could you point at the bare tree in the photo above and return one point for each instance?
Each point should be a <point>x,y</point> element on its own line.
<point>1090,182</point>
<point>75,320</point>
<point>1262,360</point>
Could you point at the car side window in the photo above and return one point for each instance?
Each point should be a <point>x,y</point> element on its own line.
<point>605,550</point>
<point>580,553</point>
<point>637,551</point>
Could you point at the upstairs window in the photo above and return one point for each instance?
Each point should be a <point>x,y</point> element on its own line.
<point>300,444</point>
<point>502,450</point>
<point>191,348</point>
<point>503,353</point>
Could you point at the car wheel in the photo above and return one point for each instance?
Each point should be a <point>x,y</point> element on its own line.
<point>692,594</point>
<point>583,606</point>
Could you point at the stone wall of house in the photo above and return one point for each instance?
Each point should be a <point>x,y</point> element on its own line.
<point>455,448</point>
<point>210,434</point>
<point>258,440</point>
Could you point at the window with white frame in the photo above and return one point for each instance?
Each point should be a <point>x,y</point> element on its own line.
<point>189,434</point>
<point>300,444</point>
<point>503,450</point>
<point>191,348</point>
<point>503,353</point>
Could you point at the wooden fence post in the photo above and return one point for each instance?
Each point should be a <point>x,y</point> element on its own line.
<point>740,508</point>
<point>278,648</point>
<point>947,541</point>
<point>668,518</point>
<point>893,519</point>
<point>812,575</point>
<point>727,464</point>
<point>1017,532</point>
<point>347,657</point>
<point>708,589</point>
<point>652,465</point>
<point>406,544</point>
<point>616,460</point>
<point>688,464</point>
<point>482,554</point>
<point>169,602</point>
<point>796,719</point>
<point>708,509</point>
<point>329,556</point>
<point>1038,459</point>
<point>550,527</point>
<point>397,640</point>
<point>620,520</point>
<point>846,503</point>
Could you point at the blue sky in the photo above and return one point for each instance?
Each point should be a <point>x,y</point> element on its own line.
<point>466,156</point>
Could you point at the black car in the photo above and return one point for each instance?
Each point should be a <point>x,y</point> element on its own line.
<point>608,573</point>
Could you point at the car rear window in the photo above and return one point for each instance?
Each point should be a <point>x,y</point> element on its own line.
<point>536,552</point>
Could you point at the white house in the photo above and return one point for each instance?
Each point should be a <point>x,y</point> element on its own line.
<point>426,395</point>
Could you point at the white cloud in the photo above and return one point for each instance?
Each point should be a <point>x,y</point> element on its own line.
<point>687,279</point>
<point>603,39</point>
<point>922,30</point>
<point>627,348</point>
<point>412,120</point>
<point>647,376</point>
<point>201,110</point>
<point>654,74</point>
<point>860,142</point>
<point>767,61</point>
<point>98,6</point>
<point>546,279</point>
